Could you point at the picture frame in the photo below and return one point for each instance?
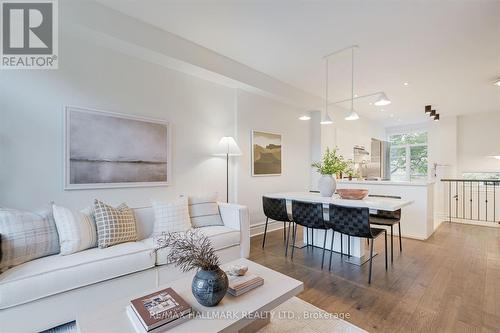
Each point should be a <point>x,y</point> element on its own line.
<point>135,153</point>
<point>267,153</point>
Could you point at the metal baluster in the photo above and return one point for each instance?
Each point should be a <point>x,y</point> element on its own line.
<point>463,200</point>
<point>486,200</point>
<point>449,198</point>
<point>470,184</point>
<point>478,203</point>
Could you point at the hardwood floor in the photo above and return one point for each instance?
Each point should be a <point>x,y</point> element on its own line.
<point>448,283</point>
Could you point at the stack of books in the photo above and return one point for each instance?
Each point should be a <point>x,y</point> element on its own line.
<point>239,285</point>
<point>158,311</point>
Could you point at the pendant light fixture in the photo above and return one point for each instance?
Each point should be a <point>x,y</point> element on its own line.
<point>326,120</point>
<point>382,100</point>
<point>352,114</point>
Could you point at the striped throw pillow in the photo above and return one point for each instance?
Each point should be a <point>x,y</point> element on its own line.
<point>114,225</point>
<point>77,230</point>
<point>26,236</point>
<point>204,211</point>
<point>171,216</point>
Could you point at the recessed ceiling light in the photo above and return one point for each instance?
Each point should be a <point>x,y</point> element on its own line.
<point>304,117</point>
<point>382,110</point>
<point>370,103</point>
<point>355,95</point>
<point>405,84</point>
<point>392,115</point>
<point>497,83</point>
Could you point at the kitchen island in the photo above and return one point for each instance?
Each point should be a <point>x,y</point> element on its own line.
<point>354,246</point>
<point>417,220</point>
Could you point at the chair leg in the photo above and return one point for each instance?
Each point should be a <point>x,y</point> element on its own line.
<point>284,231</point>
<point>265,232</point>
<point>294,236</point>
<point>400,245</point>
<point>385,239</point>
<point>312,238</point>
<point>371,260</point>
<point>341,245</point>
<point>392,247</point>
<point>349,246</point>
<point>324,246</point>
<point>331,250</point>
<point>290,225</point>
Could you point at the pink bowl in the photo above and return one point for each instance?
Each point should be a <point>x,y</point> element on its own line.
<point>352,194</point>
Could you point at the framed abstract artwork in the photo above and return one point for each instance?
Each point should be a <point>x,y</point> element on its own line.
<point>108,150</point>
<point>266,154</point>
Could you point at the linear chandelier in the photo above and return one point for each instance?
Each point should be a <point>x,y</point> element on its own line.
<point>382,99</point>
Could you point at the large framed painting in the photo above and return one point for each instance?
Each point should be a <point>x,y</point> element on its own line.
<point>266,154</point>
<point>106,150</point>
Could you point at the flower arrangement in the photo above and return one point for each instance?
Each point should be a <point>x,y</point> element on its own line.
<point>331,163</point>
<point>189,250</point>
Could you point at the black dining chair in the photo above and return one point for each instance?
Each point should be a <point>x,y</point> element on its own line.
<point>355,221</point>
<point>308,215</point>
<point>388,219</point>
<point>275,209</point>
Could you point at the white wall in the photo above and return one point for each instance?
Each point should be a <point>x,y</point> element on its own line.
<point>479,137</point>
<point>259,113</point>
<point>91,74</point>
<point>31,125</point>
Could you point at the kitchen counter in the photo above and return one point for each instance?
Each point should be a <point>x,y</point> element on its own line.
<point>385,182</point>
<point>418,219</point>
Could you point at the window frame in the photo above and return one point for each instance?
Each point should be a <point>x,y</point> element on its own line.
<point>407,148</point>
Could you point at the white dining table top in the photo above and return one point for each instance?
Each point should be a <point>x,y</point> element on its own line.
<point>374,203</point>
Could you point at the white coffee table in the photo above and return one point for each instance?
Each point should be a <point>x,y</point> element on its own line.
<point>232,312</point>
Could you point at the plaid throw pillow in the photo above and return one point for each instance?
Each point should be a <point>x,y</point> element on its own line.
<point>114,225</point>
<point>26,236</point>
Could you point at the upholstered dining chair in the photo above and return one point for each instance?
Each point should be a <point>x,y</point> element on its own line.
<point>275,209</point>
<point>354,221</point>
<point>388,219</point>
<point>308,215</point>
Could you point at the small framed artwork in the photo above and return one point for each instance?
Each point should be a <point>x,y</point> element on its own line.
<point>266,154</point>
<point>108,150</point>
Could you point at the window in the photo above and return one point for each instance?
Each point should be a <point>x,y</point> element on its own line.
<point>409,156</point>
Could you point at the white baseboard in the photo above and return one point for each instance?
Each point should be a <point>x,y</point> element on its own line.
<point>258,228</point>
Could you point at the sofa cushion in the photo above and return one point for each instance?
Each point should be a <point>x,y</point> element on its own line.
<point>221,237</point>
<point>171,216</point>
<point>25,236</point>
<point>55,274</point>
<point>204,211</point>
<point>77,230</point>
<point>114,225</point>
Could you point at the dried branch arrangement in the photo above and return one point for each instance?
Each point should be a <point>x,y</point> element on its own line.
<point>188,250</point>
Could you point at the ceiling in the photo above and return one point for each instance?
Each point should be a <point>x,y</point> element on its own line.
<point>448,51</point>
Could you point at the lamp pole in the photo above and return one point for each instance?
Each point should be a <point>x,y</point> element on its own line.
<point>227,177</point>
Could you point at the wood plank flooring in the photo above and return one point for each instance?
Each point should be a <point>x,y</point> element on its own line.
<point>448,283</point>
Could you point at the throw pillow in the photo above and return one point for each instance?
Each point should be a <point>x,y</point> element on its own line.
<point>171,216</point>
<point>77,230</point>
<point>26,236</point>
<point>204,211</point>
<point>114,225</point>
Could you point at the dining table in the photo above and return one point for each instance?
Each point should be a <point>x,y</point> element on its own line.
<point>353,246</point>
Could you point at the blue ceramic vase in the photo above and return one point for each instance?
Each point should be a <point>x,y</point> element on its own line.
<point>209,286</point>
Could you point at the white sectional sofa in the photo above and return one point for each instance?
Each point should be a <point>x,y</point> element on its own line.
<point>50,291</point>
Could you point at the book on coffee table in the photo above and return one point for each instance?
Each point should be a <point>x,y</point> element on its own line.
<point>239,285</point>
<point>161,308</point>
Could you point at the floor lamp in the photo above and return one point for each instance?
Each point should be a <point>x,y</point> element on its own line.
<point>227,146</point>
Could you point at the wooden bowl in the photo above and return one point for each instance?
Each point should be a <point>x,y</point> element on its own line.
<point>352,194</point>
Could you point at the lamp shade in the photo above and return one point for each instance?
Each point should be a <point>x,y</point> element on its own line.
<point>227,146</point>
<point>352,115</point>
<point>326,120</point>
<point>382,100</point>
